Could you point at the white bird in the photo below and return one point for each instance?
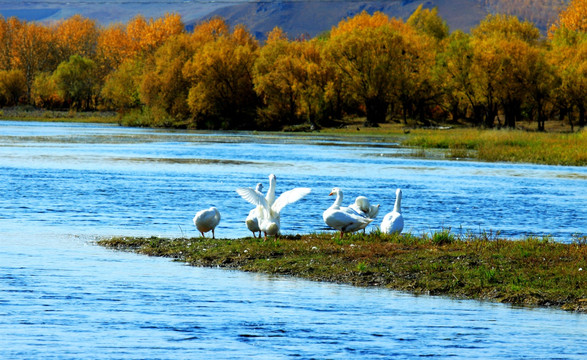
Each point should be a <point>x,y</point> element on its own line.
<point>252,220</point>
<point>363,207</point>
<point>393,222</point>
<point>343,219</point>
<point>270,219</point>
<point>206,220</point>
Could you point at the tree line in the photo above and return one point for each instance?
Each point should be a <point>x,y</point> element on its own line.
<point>155,73</point>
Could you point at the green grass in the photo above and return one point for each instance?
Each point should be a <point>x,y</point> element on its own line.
<point>506,145</point>
<point>530,271</point>
<point>32,114</point>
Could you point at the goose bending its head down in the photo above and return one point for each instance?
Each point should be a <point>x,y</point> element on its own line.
<point>270,216</point>
<point>252,220</point>
<point>393,222</point>
<point>344,219</point>
<point>206,220</point>
<point>362,205</point>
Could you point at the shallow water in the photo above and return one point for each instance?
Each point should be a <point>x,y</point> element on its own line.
<point>62,297</point>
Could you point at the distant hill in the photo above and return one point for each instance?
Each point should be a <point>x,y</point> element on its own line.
<point>296,17</point>
<point>313,17</point>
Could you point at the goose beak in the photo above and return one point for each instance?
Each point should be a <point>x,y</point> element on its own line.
<point>330,194</point>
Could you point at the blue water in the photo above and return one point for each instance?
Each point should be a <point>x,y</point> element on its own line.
<point>61,297</point>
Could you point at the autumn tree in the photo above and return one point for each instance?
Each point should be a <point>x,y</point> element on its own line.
<point>121,90</point>
<point>12,86</point>
<point>365,50</point>
<point>569,57</point>
<point>428,21</point>
<point>75,80</point>
<point>146,35</point>
<point>573,17</point>
<point>454,66</point>
<point>9,33</point>
<point>502,56</point>
<point>164,88</point>
<point>113,48</point>
<point>32,51</point>
<point>75,36</point>
<point>45,93</point>
<point>221,93</point>
<point>381,61</point>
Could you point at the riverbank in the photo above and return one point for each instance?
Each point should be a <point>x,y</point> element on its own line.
<point>521,145</point>
<point>555,147</point>
<point>531,271</point>
<point>33,114</point>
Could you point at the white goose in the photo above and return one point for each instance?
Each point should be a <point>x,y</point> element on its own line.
<point>252,220</point>
<point>206,220</point>
<point>393,222</point>
<point>363,207</point>
<point>343,219</point>
<point>270,219</point>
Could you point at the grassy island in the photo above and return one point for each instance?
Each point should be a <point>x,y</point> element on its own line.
<point>531,271</point>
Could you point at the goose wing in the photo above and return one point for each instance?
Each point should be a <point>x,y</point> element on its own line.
<point>253,196</point>
<point>288,197</point>
<point>344,220</point>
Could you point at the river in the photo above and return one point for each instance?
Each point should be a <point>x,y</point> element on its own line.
<point>62,186</point>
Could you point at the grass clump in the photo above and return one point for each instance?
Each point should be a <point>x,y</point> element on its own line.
<point>506,145</point>
<point>530,271</point>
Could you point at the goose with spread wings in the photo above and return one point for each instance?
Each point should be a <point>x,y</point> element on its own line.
<point>270,217</point>
<point>252,220</point>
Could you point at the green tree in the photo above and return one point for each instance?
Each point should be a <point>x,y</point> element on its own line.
<point>121,91</point>
<point>12,86</point>
<point>75,80</point>
<point>44,92</point>
<point>429,22</point>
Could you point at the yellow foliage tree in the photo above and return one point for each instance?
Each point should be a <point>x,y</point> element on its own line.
<point>32,51</point>
<point>12,86</point>
<point>574,17</point>
<point>429,22</point>
<point>146,35</point>
<point>379,62</point>
<point>221,91</point>
<point>164,86</point>
<point>75,36</point>
<point>569,57</point>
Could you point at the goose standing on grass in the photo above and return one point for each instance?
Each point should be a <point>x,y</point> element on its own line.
<point>270,219</point>
<point>393,222</point>
<point>252,220</point>
<point>206,220</point>
<point>343,219</point>
<point>363,207</point>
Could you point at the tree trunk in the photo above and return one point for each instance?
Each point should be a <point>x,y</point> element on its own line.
<point>490,116</point>
<point>511,112</point>
<point>376,111</point>
<point>581,115</point>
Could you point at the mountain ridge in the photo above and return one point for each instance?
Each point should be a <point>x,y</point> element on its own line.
<point>296,17</point>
